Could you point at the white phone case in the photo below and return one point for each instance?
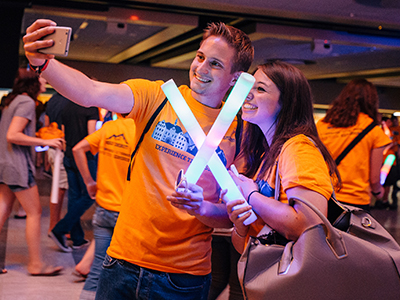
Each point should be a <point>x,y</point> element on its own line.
<point>62,38</point>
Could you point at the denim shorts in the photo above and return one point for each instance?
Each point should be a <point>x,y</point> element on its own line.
<point>18,188</point>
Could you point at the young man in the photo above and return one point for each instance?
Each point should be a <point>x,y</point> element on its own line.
<point>158,251</point>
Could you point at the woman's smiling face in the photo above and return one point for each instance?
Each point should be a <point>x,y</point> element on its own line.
<point>262,104</point>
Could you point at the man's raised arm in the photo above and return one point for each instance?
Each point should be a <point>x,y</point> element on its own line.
<point>72,83</point>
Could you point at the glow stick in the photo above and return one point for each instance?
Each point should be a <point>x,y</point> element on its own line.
<point>196,132</point>
<point>41,149</point>
<point>56,177</point>
<point>387,165</point>
<point>220,126</point>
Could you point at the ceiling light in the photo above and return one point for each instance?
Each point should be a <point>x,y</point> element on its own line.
<point>83,25</point>
<point>293,61</point>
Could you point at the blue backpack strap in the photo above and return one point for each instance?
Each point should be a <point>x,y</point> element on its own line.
<point>146,129</point>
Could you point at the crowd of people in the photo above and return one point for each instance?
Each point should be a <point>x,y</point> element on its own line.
<point>155,240</point>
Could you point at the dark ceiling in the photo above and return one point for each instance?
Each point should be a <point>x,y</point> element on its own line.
<point>338,39</point>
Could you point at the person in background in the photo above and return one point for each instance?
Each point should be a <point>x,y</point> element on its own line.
<point>280,132</point>
<point>17,167</point>
<point>77,122</point>
<point>2,104</point>
<point>153,241</point>
<point>54,108</point>
<point>391,128</point>
<point>113,143</point>
<point>350,113</point>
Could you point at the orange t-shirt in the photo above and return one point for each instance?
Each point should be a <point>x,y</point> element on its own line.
<point>300,164</point>
<point>355,167</point>
<point>150,232</point>
<point>114,142</point>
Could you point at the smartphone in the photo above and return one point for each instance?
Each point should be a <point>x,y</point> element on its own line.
<point>61,37</point>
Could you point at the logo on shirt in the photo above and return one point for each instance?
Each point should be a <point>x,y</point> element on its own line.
<point>117,140</point>
<point>173,135</point>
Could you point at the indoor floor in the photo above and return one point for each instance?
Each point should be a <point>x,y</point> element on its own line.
<point>18,285</point>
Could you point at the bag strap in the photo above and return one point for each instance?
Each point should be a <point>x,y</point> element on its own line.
<point>146,129</point>
<point>337,214</point>
<point>333,236</point>
<point>277,182</point>
<point>354,142</point>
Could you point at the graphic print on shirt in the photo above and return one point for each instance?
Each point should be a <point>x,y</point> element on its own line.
<point>118,147</point>
<point>173,135</point>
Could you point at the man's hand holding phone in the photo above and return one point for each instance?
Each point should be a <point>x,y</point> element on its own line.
<point>34,44</point>
<point>61,38</point>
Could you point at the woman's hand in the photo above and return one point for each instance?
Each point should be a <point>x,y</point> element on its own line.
<point>92,189</point>
<point>245,184</point>
<point>238,216</point>
<point>57,143</point>
<point>189,198</point>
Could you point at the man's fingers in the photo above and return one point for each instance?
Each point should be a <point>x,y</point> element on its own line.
<point>32,36</point>
<point>40,23</point>
<point>32,42</point>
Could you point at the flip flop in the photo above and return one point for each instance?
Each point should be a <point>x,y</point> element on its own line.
<point>80,277</point>
<point>48,271</point>
<point>19,217</point>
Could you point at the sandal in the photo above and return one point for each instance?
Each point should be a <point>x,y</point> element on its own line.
<point>80,277</point>
<point>3,271</point>
<point>48,271</point>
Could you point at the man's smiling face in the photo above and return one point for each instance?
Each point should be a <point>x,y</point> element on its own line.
<point>210,71</point>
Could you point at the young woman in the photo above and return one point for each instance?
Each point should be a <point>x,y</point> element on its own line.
<point>351,112</point>
<point>280,131</point>
<point>17,168</point>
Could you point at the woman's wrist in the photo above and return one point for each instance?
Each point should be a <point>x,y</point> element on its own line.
<point>249,196</point>
<point>237,233</point>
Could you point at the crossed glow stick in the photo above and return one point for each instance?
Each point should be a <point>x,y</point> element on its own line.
<point>208,144</point>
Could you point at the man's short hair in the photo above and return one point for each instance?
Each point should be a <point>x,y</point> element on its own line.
<point>238,40</point>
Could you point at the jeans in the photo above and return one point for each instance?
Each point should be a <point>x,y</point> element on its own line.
<point>224,260</point>
<point>78,201</point>
<point>122,280</point>
<point>103,228</point>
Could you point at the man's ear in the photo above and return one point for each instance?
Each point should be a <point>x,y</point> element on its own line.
<point>235,78</point>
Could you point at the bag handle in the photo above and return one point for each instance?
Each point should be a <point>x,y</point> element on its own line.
<point>333,236</point>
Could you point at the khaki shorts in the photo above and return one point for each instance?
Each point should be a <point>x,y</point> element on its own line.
<point>63,184</point>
